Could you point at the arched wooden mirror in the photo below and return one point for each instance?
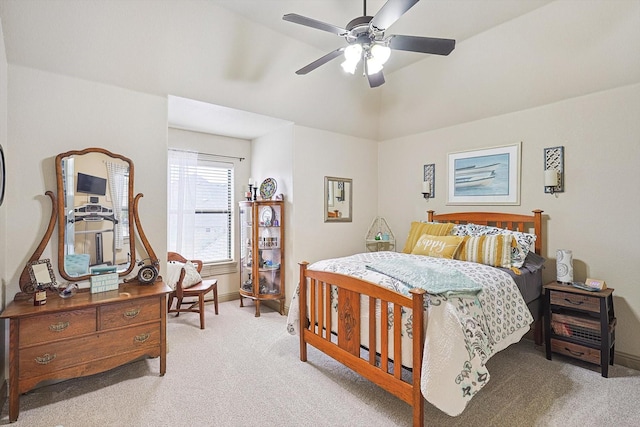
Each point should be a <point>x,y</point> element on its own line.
<point>95,213</point>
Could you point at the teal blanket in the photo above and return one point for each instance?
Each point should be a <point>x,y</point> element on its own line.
<point>432,278</point>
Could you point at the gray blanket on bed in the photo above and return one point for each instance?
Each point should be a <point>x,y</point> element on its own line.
<point>433,279</point>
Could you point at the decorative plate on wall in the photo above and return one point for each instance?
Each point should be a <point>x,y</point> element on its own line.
<point>268,188</point>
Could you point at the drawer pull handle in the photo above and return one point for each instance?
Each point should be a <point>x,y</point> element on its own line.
<point>575,353</point>
<point>141,338</point>
<point>58,327</point>
<point>45,359</point>
<point>130,314</point>
<point>574,303</point>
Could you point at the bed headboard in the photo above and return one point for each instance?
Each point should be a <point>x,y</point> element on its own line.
<point>515,222</point>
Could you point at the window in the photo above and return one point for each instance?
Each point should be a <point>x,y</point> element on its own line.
<point>200,206</point>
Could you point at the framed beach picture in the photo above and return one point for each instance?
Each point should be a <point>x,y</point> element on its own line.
<point>489,176</point>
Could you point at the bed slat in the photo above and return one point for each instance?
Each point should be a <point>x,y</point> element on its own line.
<point>372,330</point>
<point>397,340</point>
<point>384,337</point>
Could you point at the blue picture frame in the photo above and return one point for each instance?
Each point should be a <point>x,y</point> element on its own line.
<point>489,176</point>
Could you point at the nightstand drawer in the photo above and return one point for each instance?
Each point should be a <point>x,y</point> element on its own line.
<point>575,301</point>
<point>577,351</point>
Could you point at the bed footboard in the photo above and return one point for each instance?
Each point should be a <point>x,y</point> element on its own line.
<point>345,344</point>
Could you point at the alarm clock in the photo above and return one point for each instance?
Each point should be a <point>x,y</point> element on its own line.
<point>147,273</point>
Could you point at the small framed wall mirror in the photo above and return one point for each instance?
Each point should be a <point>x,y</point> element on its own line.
<point>338,197</point>
<point>41,272</point>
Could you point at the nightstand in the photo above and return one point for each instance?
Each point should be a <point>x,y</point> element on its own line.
<point>580,324</point>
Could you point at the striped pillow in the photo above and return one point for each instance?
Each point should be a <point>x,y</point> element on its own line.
<point>420,228</point>
<point>494,250</point>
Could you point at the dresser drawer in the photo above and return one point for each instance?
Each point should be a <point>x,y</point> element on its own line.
<point>129,313</point>
<point>575,301</point>
<point>64,324</point>
<point>577,351</point>
<point>49,358</point>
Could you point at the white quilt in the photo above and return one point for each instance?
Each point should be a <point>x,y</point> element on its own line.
<point>462,332</point>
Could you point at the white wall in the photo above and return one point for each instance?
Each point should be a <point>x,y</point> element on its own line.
<point>50,114</point>
<point>595,216</point>
<point>318,154</point>
<point>3,218</point>
<point>272,157</point>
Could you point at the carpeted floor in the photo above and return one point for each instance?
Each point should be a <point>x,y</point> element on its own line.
<point>245,371</point>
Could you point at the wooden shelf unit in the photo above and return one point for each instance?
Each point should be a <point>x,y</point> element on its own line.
<point>262,254</point>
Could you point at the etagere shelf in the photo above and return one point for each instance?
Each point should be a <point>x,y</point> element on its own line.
<point>262,252</point>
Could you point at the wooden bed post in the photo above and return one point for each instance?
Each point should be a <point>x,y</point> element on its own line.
<point>537,225</point>
<point>302,302</point>
<point>417,349</point>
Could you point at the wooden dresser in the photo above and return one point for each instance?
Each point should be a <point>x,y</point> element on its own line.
<point>83,335</point>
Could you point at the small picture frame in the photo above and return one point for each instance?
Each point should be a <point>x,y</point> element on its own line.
<point>41,272</point>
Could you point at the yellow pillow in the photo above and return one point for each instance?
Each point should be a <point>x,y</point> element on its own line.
<point>437,246</point>
<point>420,228</point>
<point>494,250</point>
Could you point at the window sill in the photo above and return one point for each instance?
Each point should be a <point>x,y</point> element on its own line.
<point>216,269</point>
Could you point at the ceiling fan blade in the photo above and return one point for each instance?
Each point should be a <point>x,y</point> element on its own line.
<point>422,44</point>
<point>303,20</point>
<point>390,12</point>
<point>320,61</point>
<point>376,79</point>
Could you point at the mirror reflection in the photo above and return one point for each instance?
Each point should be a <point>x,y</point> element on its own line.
<point>337,199</point>
<point>94,212</point>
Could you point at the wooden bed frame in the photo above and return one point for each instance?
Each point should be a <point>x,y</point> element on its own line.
<point>346,347</point>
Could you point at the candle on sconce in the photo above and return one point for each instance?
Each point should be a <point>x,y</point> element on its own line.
<point>550,178</point>
<point>426,187</point>
<point>250,181</point>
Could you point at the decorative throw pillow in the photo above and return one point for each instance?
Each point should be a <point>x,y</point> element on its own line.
<point>173,273</point>
<point>522,245</point>
<point>437,246</point>
<point>420,228</point>
<point>191,275</point>
<point>494,250</point>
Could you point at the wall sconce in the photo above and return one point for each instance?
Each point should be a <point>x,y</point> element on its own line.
<point>554,170</point>
<point>428,182</point>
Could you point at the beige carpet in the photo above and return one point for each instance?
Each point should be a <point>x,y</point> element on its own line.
<point>245,371</point>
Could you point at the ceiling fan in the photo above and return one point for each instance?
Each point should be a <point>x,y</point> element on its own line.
<point>367,41</point>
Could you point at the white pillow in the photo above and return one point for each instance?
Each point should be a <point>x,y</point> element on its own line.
<point>191,275</point>
<point>173,273</point>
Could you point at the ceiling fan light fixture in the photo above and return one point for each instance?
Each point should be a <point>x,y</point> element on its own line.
<point>380,53</point>
<point>350,66</point>
<point>353,52</point>
<point>373,66</point>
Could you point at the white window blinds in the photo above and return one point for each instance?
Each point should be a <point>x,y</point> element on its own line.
<point>200,206</point>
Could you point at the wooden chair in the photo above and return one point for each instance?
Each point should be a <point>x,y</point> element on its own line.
<point>198,290</point>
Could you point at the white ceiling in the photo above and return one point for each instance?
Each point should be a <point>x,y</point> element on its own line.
<point>201,116</point>
<point>452,19</point>
<point>456,19</point>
